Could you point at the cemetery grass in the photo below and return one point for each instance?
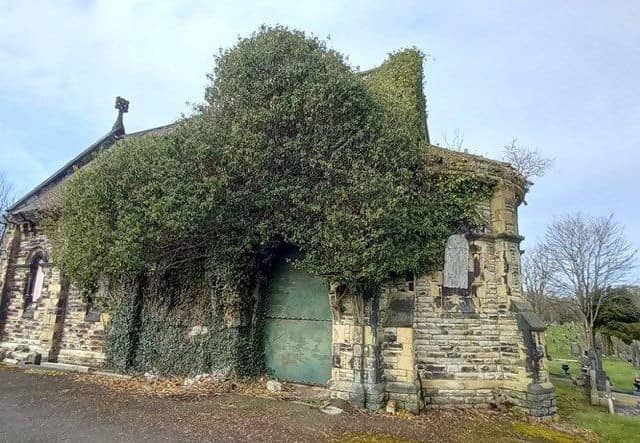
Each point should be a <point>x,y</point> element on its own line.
<point>559,339</point>
<point>574,408</point>
<point>620,372</point>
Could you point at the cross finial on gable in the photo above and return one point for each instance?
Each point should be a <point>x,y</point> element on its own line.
<point>122,105</point>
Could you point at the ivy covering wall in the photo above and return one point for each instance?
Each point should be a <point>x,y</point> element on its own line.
<point>397,85</point>
<point>290,147</point>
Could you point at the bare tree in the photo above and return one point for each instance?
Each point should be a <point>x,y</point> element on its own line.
<point>588,255</point>
<point>536,276</point>
<point>528,162</point>
<point>557,309</point>
<point>454,142</point>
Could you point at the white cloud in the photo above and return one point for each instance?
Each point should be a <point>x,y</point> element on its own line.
<point>76,56</point>
<point>18,164</point>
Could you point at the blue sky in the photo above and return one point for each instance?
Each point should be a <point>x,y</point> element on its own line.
<point>562,77</point>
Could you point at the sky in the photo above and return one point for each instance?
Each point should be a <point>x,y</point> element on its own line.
<point>560,77</point>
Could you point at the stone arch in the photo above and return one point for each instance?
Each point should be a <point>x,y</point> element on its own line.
<point>34,253</point>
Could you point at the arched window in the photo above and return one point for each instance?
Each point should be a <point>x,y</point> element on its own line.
<point>35,280</point>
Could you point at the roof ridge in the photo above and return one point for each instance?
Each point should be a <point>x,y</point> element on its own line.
<point>105,141</point>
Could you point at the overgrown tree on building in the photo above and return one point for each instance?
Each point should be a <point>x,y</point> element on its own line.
<point>291,146</point>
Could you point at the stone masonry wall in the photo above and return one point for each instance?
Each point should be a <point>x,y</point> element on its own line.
<point>17,331</point>
<point>355,374</point>
<point>57,329</point>
<point>425,346</point>
<point>470,349</point>
<point>417,343</point>
<point>83,337</point>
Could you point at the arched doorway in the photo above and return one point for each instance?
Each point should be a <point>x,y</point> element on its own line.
<point>297,328</point>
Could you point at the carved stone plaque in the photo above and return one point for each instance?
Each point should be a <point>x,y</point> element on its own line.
<point>399,311</point>
<point>456,262</point>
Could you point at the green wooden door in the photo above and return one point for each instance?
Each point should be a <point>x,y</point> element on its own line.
<point>297,335</point>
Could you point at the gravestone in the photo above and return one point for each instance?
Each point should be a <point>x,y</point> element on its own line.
<point>576,349</point>
<point>635,353</point>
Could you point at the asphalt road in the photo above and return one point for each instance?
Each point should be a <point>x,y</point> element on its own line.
<point>45,406</point>
<point>37,406</point>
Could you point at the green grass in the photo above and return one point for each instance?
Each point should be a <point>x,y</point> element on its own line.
<point>559,338</point>
<point>573,407</point>
<point>621,374</point>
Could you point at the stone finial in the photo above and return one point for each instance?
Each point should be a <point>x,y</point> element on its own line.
<point>122,105</point>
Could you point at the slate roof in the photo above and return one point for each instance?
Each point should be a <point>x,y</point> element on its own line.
<point>33,199</point>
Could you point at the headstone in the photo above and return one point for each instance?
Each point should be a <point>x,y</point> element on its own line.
<point>576,349</point>
<point>635,352</point>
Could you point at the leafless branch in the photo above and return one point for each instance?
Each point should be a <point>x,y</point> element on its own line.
<point>528,162</point>
<point>536,277</point>
<point>6,197</point>
<point>454,142</point>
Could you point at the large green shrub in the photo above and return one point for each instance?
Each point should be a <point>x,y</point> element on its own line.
<point>290,146</point>
<point>398,86</point>
<point>619,314</point>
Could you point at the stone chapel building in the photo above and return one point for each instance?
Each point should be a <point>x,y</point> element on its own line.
<point>460,337</point>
